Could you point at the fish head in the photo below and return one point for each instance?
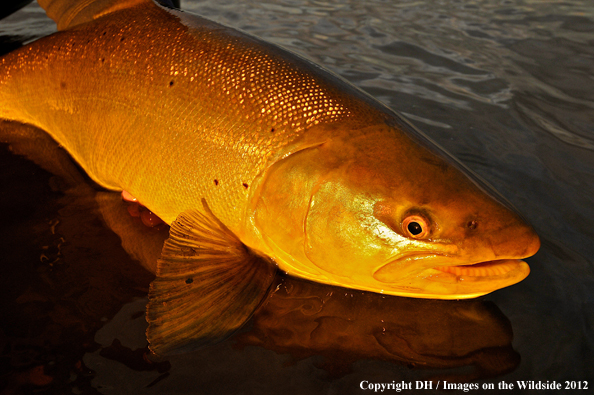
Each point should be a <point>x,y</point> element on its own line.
<point>383,211</point>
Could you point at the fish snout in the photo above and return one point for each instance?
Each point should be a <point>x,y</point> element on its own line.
<point>518,243</point>
<point>509,239</point>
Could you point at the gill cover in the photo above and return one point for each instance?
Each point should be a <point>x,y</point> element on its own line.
<point>317,222</point>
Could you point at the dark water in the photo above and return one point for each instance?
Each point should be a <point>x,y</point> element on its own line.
<point>507,86</point>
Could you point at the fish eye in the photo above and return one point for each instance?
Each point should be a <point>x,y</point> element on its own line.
<point>415,226</point>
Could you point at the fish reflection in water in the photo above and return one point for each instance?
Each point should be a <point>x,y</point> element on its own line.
<point>83,278</point>
<point>306,319</point>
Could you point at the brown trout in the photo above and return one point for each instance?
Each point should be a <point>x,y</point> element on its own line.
<point>255,155</point>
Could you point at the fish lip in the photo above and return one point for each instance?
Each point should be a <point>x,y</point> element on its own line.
<point>486,269</point>
<point>418,255</point>
<point>409,263</point>
<point>432,283</point>
<point>414,256</point>
<point>455,280</point>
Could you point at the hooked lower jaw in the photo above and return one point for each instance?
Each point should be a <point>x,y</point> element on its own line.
<point>461,281</point>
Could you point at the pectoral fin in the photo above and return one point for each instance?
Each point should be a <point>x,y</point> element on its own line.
<point>208,285</point>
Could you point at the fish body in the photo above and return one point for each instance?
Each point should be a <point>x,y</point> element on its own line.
<point>277,154</point>
<point>181,107</point>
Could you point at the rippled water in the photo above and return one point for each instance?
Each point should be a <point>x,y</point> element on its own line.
<point>506,86</point>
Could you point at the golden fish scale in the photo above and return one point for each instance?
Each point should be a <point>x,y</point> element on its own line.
<point>170,109</point>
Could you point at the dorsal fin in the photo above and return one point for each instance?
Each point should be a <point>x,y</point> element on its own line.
<point>68,13</point>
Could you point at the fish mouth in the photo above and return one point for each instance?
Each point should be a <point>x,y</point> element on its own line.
<point>482,269</point>
<point>464,281</point>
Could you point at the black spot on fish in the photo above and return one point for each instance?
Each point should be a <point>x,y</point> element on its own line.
<point>102,60</point>
<point>216,182</point>
<point>245,185</point>
<point>104,33</point>
<point>272,130</point>
<point>170,83</point>
<point>189,280</point>
<point>122,39</point>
